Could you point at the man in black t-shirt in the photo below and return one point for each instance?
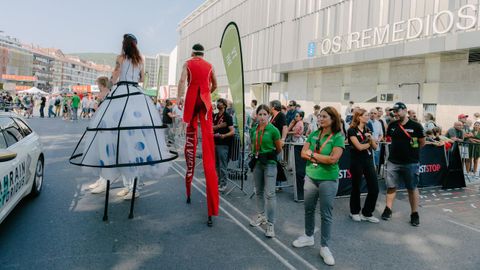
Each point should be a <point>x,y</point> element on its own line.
<point>167,118</point>
<point>278,119</point>
<point>223,132</point>
<point>403,162</point>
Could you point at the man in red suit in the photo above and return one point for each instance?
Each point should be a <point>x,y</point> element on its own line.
<point>198,106</point>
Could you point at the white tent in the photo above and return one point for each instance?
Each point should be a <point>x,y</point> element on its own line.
<point>34,91</point>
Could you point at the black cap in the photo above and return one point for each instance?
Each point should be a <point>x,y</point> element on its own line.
<point>131,36</point>
<point>399,106</point>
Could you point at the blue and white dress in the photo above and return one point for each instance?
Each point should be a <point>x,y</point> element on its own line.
<point>126,136</point>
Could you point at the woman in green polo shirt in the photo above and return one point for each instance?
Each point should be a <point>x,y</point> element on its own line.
<point>322,150</point>
<point>266,144</point>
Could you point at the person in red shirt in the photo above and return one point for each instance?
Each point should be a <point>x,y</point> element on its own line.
<point>198,106</point>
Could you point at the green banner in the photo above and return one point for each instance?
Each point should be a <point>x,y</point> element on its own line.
<point>150,92</point>
<point>232,58</point>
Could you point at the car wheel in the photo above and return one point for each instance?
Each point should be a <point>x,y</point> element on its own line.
<point>38,179</point>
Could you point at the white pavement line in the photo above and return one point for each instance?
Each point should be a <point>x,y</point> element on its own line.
<point>463,225</point>
<point>282,245</point>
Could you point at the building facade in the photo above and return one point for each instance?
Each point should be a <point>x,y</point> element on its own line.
<point>328,52</point>
<point>156,70</point>
<point>16,64</point>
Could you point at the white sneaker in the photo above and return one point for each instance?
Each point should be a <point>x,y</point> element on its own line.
<point>129,195</point>
<point>94,185</point>
<point>355,217</point>
<point>222,188</point>
<point>99,189</point>
<point>327,256</point>
<point>270,231</point>
<point>258,220</point>
<point>122,192</point>
<point>371,219</point>
<point>304,241</point>
<point>100,181</point>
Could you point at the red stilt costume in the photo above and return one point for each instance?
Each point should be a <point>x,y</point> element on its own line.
<point>198,106</point>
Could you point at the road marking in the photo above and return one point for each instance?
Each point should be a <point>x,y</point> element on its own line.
<point>433,194</point>
<point>256,238</point>
<point>447,210</point>
<point>463,225</point>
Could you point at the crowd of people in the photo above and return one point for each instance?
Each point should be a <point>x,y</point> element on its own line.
<point>67,106</point>
<point>324,135</point>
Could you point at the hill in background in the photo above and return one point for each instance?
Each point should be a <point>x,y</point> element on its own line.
<point>99,58</point>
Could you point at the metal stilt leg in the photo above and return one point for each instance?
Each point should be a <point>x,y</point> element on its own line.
<point>107,193</point>
<point>132,203</point>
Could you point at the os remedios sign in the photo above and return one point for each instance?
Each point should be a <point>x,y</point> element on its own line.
<point>443,22</point>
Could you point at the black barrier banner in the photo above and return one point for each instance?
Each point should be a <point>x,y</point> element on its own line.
<point>455,177</point>
<point>345,176</point>
<point>434,170</point>
<point>433,166</point>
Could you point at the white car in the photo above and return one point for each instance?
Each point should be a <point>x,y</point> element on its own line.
<point>21,163</point>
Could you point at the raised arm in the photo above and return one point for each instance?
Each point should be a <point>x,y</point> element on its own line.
<point>182,82</point>
<point>116,71</point>
<point>213,80</point>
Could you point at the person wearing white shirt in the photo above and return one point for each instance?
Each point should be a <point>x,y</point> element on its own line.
<point>85,107</point>
<point>377,132</point>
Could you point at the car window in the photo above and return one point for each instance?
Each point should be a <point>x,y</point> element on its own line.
<point>12,133</point>
<point>26,130</point>
<point>3,143</point>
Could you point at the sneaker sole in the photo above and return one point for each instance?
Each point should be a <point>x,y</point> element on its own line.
<point>300,246</point>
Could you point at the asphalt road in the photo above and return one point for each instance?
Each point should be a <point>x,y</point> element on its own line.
<point>63,227</point>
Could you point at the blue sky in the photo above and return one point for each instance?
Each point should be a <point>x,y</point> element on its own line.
<point>95,25</point>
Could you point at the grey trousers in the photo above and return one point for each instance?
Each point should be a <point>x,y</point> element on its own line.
<point>221,162</point>
<point>265,177</point>
<point>325,191</point>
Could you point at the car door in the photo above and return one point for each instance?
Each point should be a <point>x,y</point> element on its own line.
<point>31,147</point>
<point>14,172</point>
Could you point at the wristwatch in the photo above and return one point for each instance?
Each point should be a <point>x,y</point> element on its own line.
<point>311,155</point>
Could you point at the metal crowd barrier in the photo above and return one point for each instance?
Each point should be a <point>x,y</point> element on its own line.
<point>469,153</point>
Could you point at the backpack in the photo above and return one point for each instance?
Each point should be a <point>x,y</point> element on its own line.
<point>57,102</point>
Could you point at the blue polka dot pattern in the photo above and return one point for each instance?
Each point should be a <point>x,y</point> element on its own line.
<point>150,159</point>
<point>116,116</point>
<point>102,163</point>
<point>139,146</point>
<point>107,150</point>
<point>139,160</point>
<point>137,114</point>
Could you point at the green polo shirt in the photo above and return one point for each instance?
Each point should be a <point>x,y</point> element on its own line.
<point>75,101</point>
<point>324,171</point>
<point>269,138</point>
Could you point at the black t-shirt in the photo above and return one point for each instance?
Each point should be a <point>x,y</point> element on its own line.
<point>279,121</point>
<point>167,119</point>
<point>44,100</point>
<point>217,120</point>
<point>362,138</point>
<point>404,150</point>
